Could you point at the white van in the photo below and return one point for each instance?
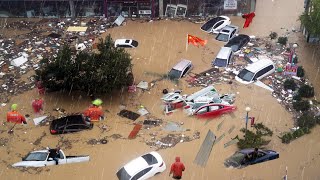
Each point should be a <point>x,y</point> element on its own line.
<point>223,58</point>
<point>180,69</point>
<point>256,71</point>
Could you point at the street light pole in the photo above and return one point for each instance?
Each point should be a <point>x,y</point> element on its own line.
<point>247,118</point>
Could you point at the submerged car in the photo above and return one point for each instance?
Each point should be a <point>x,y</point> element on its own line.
<point>223,58</point>
<point>126,43</point>
<point>238,42</point>
<point>210,110</point>
<point>180,69</point>
<point>246,157</point>
<point>41,158</point>
<point>256,71</point>
<point>143,167</point>
<point>69,124</point>
<point>227,33</point>
<point>216,24</point>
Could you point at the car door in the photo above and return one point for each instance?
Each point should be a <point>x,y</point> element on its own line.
<point>202,111</point>
<point>144,174</point>
<point>214,110</point>
<point>72,128</point>
<point>266,71</point>
<point>261,157</point>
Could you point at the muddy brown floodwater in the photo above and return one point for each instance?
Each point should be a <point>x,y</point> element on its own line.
<point>161,45</point>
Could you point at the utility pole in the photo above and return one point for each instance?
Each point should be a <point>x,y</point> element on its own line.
<point>72,9</point>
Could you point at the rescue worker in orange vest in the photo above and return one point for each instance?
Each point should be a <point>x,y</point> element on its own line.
<point>14,116</point>
<point>94,113</point>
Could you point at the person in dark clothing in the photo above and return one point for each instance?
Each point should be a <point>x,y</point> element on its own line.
<point>55,154</point>
<point>176,169</point>
<point>255,153</point>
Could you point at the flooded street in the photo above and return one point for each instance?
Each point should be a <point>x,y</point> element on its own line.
<point>161,44</point>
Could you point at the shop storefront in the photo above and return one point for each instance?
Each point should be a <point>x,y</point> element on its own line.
<point>50,8</point>
<point>132,9</point>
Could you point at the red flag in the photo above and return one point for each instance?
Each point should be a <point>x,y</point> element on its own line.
<point>248,18</point>
<point>196,41</point>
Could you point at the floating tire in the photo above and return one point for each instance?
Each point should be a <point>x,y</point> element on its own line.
<point>103,141</point>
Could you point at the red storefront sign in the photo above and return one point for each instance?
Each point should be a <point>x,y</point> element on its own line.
<point>290,70</point>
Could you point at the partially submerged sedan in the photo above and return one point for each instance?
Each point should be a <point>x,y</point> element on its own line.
<point>143,167</point>
<point>210,110</point>
<point>126,43</point>
<point>246,157</point>
<point>238,42</point>
<point>69,124</point>
<point>227,33</point>
<point>216,24</point>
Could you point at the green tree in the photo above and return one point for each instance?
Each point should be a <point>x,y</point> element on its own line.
<point>255,139</point>
<point>311,19</point>
<point>101,72</point>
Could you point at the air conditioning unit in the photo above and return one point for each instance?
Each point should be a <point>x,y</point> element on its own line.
<point>145,12</point>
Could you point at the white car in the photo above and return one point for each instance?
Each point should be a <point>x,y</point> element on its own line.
<point>126,43</point>
<point>182,68</point>
<point>41,158</point>
<point>142,167</point>
<point>216,24</point>
<point>227,33</point>
<point>256,71</point>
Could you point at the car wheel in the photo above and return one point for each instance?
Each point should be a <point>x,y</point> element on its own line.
<point>157,173</point>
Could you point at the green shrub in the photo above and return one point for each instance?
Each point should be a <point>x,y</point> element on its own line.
<point>289,84</point>
<point>273,35</point>
<point>283,40</point>
<point>286,138</point>
<point>297,97</point>
<point>306,91</point>
<point>301,105</point>
<point>300,71</point>
<point>306,121</point>
<point>298,133</point>
<point>306,130</point>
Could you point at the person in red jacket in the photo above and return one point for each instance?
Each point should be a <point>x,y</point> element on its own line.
<point>15,117</point>
<point>177,168</point>
<point>37,105</point>
<point>94,112</point>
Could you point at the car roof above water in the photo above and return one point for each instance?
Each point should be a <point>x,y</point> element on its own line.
<point>181,65</point>
<point>262,63</point>
<point>73,119</point>
<point>224,53</point>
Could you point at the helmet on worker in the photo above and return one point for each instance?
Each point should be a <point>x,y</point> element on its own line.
<point>97,102</point>
<point>14,107</point>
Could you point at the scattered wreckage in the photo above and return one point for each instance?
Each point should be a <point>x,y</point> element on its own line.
<point>198,100</point>
<point>41,158</point>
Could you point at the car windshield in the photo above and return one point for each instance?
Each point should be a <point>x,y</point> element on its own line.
<point>235,47</point>
<point>222,37</point>
<point>236,158</point>
<point>245,75</point>
<point>174,74</point>
<point>38,156</point>
<point>150,159</point>
<point>220,62</point>
<point>134,43</point>
<point>123,174</point>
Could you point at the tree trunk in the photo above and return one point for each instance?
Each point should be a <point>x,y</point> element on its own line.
<point>72,9</point>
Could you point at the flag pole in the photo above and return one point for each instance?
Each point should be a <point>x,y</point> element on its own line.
<point>187,43</point>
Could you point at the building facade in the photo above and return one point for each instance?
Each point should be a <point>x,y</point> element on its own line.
<point>126,8</point>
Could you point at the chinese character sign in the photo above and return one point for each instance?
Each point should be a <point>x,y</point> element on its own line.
<point>290,70</point>
<point>230,4</point>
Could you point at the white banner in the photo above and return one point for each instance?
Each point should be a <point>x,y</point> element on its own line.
<point>230,4</point>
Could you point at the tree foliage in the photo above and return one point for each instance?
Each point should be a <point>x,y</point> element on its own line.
<point>311,20</point>
<point>255,138</point>
<point>101,72</point>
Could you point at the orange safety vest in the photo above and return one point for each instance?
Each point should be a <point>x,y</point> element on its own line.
<point>15,117</point>
<point>94,113</point>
